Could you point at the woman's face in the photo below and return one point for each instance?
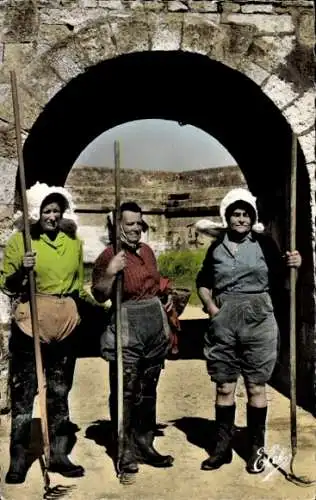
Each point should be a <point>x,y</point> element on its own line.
<point>50,217</point>
<point>240,221</point>
<point>132,225</point>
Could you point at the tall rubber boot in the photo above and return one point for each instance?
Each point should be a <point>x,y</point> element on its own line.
<point>20,436</point>
<point>128,462</point>
<point>59,461</point>
<point>256,423</point>
<point>145,420</point>
<point>222,451</point>
<point>58,363</point>
<point>23,386</point>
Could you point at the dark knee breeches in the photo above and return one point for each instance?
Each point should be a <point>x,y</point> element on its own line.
<point>59,363</point>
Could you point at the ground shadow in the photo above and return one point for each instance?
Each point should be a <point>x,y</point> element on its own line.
<point>199,431</point>
<point>102,433</point>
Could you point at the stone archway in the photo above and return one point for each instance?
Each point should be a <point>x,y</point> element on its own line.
<point>88,105</point>
<point>241,81</point>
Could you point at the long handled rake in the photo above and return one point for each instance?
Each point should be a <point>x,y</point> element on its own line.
<point>300,481</point>
<point>41,382</point>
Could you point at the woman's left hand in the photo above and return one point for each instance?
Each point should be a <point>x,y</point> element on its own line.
<point>293,259</point>
<point>169,304</point>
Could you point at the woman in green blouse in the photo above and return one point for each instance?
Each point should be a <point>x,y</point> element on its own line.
<point>57,260</point>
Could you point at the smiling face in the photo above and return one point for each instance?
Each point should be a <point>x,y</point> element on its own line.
<point>50,217</point>
<point>132,225</point>
<point>240,220</point>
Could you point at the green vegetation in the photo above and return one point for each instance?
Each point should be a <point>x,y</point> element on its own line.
<point>181,267</point>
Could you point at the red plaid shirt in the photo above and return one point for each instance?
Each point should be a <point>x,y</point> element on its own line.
<point>141,278</point>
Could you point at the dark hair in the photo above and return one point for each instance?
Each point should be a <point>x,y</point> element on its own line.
<point>244,205</point>
<point>55,198</point>
<point>130,206</point>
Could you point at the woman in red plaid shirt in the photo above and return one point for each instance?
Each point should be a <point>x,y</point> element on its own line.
<point>145,337</point>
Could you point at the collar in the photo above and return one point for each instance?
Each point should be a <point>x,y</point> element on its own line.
<point>249,237</point>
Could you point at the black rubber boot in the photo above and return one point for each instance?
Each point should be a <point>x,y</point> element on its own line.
<point>23,386</point>
<point>59,374</point>
<point>145,421</point>
<point>128,463</point>
<point>256,423</point>
<point>18,465</point>
<point>222,451</point>
<point>59,461</point>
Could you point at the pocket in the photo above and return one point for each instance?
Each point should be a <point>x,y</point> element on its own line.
<point>259,309</point>
<point>219,312</point>
<point>21,312</point>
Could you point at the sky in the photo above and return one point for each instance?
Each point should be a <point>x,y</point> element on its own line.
<point>156,145</point>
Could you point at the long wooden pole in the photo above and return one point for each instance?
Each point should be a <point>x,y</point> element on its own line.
<point>293,296</point>
<point>299,480</point>
<point>31,280</point>
<point>118,302</point>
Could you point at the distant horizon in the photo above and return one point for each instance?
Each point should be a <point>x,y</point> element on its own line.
<point>157,145</point>
<point>77,165</point>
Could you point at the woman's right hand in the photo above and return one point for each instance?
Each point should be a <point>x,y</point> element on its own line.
<point>116,264</point>
<point>29,260</point>
<point>212,310</point>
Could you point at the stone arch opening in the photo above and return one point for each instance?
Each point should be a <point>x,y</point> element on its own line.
<point>193,89</point>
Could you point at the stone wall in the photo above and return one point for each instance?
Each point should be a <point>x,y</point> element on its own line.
<point>172,202</point>
<point>270,42</point>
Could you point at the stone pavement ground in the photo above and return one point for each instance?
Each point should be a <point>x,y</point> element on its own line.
<point>185,415</point>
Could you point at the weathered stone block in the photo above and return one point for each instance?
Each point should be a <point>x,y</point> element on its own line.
<point>50,35</point>
<point>306,29</point>
<point>253,71</point>
<point>8,169</point>
<point>280,92</point>
<point>137,5</point>
<point>21,22</point>
<point>111,4</point>
<point>165,31</point>
<point>301,114</point>
<point>231,7</point>
<point>41,82</point>
<point>202,34</point>
<point>7,142</point>
<point>154,5</point>
<point>18,55</point>
<point>177,6</point>
<point>57,3</point>
<point>256,8</point>
<point>29,106</point>
<point>64,64</point>
<point>294,3</point>
<point>307,143</point>
<point>86,4</point>
<point>265,23</point>
<point>73,18</point>
<point>5,317</point>
<point>91,45</point>
<point>269,52</point>
<point>130,34</point>
<point>203,6</point>
<point>299,67</point>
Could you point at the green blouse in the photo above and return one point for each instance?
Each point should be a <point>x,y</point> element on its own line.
<point>59,263</point>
